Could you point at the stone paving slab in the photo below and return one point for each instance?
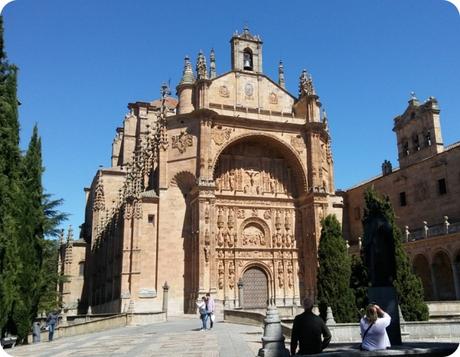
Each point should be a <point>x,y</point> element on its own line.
<point>178,337</point>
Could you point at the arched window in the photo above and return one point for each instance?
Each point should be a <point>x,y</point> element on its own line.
<point>416,142</point>
<point>427,138</point>
<point>247,59</point>
<point>405,148</point>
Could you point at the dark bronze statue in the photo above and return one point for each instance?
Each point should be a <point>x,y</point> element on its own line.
<point>379,251</point>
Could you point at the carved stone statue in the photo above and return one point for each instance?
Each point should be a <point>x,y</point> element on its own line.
<point>379,251</point>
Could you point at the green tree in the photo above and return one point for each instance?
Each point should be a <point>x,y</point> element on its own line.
<point>31,235</point>
<point>408,286</point>
<point>27,214</point>
<point>334,273</point>
<point>50,277</point>
<point>10,263</point>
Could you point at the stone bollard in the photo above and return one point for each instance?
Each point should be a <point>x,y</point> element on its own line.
<point>329,317</point>
<point>64,317</point>
<point>131,307</point>
<point>88,313</point>
<point>273,339</point>
<point>165,299</point>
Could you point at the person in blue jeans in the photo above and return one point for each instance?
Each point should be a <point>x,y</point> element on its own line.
<point>51,322</point>
<point>203,312</point>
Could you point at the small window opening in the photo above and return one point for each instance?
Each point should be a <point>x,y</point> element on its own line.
<point>406,148</point>
<point>81,268</point>
<point>416,142</point>
<point>428,138</point>
<point>442,187</point>
<point>357,213</point>
<point>247,60</point>
<point>151,218</point>
<point>402,199</point>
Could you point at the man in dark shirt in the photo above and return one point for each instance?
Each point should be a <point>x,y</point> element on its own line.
<point>307,330</point>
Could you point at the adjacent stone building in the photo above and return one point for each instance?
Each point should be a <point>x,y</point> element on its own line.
<point>71,267</point>
<point>220,191</point>
<point>424,192</point>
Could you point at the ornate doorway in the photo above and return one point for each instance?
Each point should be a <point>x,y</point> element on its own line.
<point>255,288</point>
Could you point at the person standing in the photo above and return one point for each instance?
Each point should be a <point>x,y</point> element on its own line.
<point>51,322</point>
<point>307,330</point>
<point>210,307</point>
<point>203,313</point>
<point>373,329</point>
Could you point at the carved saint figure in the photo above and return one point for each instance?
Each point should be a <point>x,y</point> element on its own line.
<point>231,275</point>
<point>231,180</point>
<point>280,274</point>
<point>221,275</point>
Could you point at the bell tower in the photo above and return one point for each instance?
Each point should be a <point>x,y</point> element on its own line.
<point>418,131</point>
<point>246,52</point>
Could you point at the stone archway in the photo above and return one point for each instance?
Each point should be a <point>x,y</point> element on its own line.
<point>443,277</point>
<point>255,288</point>
<point>258,184</point>
<point>180,188</point>
<point>421,268</point>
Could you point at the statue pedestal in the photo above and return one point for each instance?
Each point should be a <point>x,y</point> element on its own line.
<point>387,299</point>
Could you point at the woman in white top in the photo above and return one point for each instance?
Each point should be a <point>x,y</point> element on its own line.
<point>373,329</point>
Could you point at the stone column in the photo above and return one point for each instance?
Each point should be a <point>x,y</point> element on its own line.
<point>126,257</point>
<point>240,293</point>
<point>456,276</point>
<point>434,282</point>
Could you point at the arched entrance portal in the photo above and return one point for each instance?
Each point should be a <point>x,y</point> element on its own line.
<point>255,288</point>
<point>258,182</point>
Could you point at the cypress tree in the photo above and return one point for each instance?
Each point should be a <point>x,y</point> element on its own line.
<point>334,273</point>
<point>26,216</point>
<point>408,286</point>
<point>31,235</point>
<point>10,263</point>
<point>49,276</point>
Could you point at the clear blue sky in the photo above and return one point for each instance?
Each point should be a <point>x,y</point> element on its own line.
<point>81,62</point>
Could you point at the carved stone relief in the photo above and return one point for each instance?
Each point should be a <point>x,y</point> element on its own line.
<point>280,274</point>
<point>297,143</point>
<point>207,243</point>
<point>249,91</point>
<point>273,98</point>
<point>268,214</point>
<point>290,275</point>
<point>253,235</point>
<point>182,141</point>
<point>231,275</point>
<point>220,135</point>
<point>224,92</point>
<point>220,271</point>
<point>266,176</point>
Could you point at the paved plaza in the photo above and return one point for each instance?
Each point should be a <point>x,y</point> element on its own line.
<point>177,337</point>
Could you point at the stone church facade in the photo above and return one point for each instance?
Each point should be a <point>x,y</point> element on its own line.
<point>221,190</point>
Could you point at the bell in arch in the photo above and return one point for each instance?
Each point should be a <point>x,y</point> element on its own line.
<point>247,60</point>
